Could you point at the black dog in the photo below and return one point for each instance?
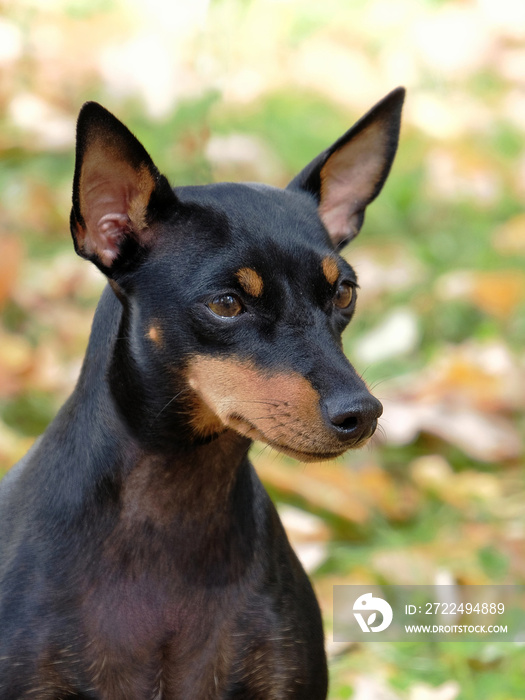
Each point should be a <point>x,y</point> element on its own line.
<point>140,556</point>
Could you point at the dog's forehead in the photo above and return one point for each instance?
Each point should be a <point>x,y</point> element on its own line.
<point>262,214</point>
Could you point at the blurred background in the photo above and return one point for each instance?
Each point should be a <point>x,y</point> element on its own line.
<point>253,89</point>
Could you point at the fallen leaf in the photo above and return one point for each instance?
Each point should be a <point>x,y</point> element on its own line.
<point>397,334</point>
<point>12,447</point>
<point>16,361</point>
<point>433,473</point>
<point>497,293</point>
<point>307,533</point>
<point>422,691</point>
<point>332,491</point>
<point>509,238</point>
<point>489,438</point>
<point>484,377</point>
<point>455,173</point>
<point>405,566</point>
<point>489,657</point>
<point>384,269</point>
<point>352,494</point>
<point>372,688</point>
<point>11,254</point>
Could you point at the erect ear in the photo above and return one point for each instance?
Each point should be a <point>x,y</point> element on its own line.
<point>346,177</point>
<point>117,191</point>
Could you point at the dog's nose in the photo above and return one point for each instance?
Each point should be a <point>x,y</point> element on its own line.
<point>353,418</point>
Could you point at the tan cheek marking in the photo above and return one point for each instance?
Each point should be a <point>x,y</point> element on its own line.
<point>240,396</point>
<point>330,269</point>
<point>155,335</point>
<point>203,419</point>
<point>250,281</point>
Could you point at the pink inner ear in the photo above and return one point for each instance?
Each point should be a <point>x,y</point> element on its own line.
<point>111,229</point>
<point>337,221</point>
<point>113,201</point>
<point>349,179</point>
<point>105,203</point>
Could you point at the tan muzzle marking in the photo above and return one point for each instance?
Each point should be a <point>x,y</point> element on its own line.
<point>279,408</point>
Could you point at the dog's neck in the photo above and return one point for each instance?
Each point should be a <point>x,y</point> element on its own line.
<point>154,408</point>
<point>143,465</point>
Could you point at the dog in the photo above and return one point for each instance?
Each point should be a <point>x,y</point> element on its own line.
<point>140,556</point>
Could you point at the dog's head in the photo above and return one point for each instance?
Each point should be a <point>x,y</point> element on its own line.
<point>235,295</point>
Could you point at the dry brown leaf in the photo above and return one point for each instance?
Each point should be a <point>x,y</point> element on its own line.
<point>487,437</point>
<point>334,487</point>
<point>383,269</point>
<point>372,688</point>
<point>12,447</point>
<point>11,254</point>
<point>464,397</point>
<point>497,293</point>
<point>405,566</point>
<point>422,691</point>
<point>486,377</point>
<point>307,533</point>
<point>327,485</point>
<point>510,237</point>
<point>16,362</point>
<point>457,172</point>
<point>434,473</point>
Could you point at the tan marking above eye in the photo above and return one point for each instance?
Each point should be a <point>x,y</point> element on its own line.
<point>330,269</point>
<point>155,335</point>
<point>250,281</point>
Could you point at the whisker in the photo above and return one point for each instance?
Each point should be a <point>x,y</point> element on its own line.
<point>262,449</point>
<point>377,383</point>
<point>272,416</point>
<point>167,404</point>
<point>366,369</point>
<point>267,402</point>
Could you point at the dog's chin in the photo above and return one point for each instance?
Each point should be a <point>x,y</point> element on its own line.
<point>308,453</point>
<point>305,456</point>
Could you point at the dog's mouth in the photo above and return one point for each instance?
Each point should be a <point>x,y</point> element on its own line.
<point>279,409</point>
<point>315,454</point>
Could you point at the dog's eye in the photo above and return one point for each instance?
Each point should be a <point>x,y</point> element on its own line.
<point>226,305</point>
<point>343,295</point>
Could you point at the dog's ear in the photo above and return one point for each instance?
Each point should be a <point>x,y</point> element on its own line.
<point>117,191</point>
<point>346,177</point>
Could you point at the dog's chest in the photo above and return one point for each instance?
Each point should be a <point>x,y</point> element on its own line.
<point>160,649</point>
